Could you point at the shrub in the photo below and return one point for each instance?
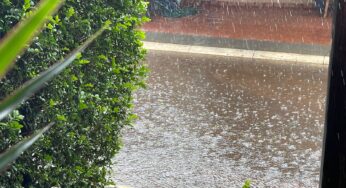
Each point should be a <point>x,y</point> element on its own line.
<point>90,101</point>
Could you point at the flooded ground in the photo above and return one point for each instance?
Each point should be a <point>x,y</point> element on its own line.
<point>208,121</point>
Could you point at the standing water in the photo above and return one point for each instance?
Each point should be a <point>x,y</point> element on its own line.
<point>209,121</point>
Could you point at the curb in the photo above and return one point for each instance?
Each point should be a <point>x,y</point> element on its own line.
<point>118,186</point>
<point>239,53</point>
<point>246,44</point>
<point>263,3</point>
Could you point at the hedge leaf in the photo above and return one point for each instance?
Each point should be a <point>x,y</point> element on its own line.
<point>18,38</point>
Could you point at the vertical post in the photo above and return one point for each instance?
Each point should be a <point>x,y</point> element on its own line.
<point>326,7</point>
<point>333,165</point>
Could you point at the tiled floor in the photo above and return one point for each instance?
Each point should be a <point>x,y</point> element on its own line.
<point>302,25</point>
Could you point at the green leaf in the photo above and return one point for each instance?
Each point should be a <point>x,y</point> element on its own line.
<point>83,62</point>
<point>108,24</point>
<point>89,85</point>
<point>26,5</point>
<point>70,12</point>
<point>82,106</point>
<point>247,184</point>
<point>61,117</point>
<point>15,151</point>
<point>18,38</point>
<point>52,103</point>
<point>30,87</point>
<point>50,26</point>
<point>74,78</point>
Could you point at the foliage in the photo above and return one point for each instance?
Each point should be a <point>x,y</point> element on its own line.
<point>90,101</point>
<point>10,47</point>
<point>247,184</point>
<point>18,38</point>
<point>31,86</point>
<point>12,153</point>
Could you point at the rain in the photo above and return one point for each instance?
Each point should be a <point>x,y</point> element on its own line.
<point>213,120</point>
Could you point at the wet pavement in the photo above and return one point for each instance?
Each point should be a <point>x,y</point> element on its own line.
<point>208,121</point>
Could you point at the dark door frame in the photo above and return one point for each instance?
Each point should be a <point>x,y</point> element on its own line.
<point>333,163</point>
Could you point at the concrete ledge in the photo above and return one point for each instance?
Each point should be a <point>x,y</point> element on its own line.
<point>313,49</point>
<point>263,3</point>
<point>239,53</point>
<point>118,186</point>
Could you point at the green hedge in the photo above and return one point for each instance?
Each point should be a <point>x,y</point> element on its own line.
<point>90,101</point>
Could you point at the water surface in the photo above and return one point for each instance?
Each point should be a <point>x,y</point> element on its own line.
<point>209,121</point>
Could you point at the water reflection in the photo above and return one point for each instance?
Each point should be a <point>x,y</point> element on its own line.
<point>210,121</point>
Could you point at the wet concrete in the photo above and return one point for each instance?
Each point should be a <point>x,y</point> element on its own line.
<point>208,121</point>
